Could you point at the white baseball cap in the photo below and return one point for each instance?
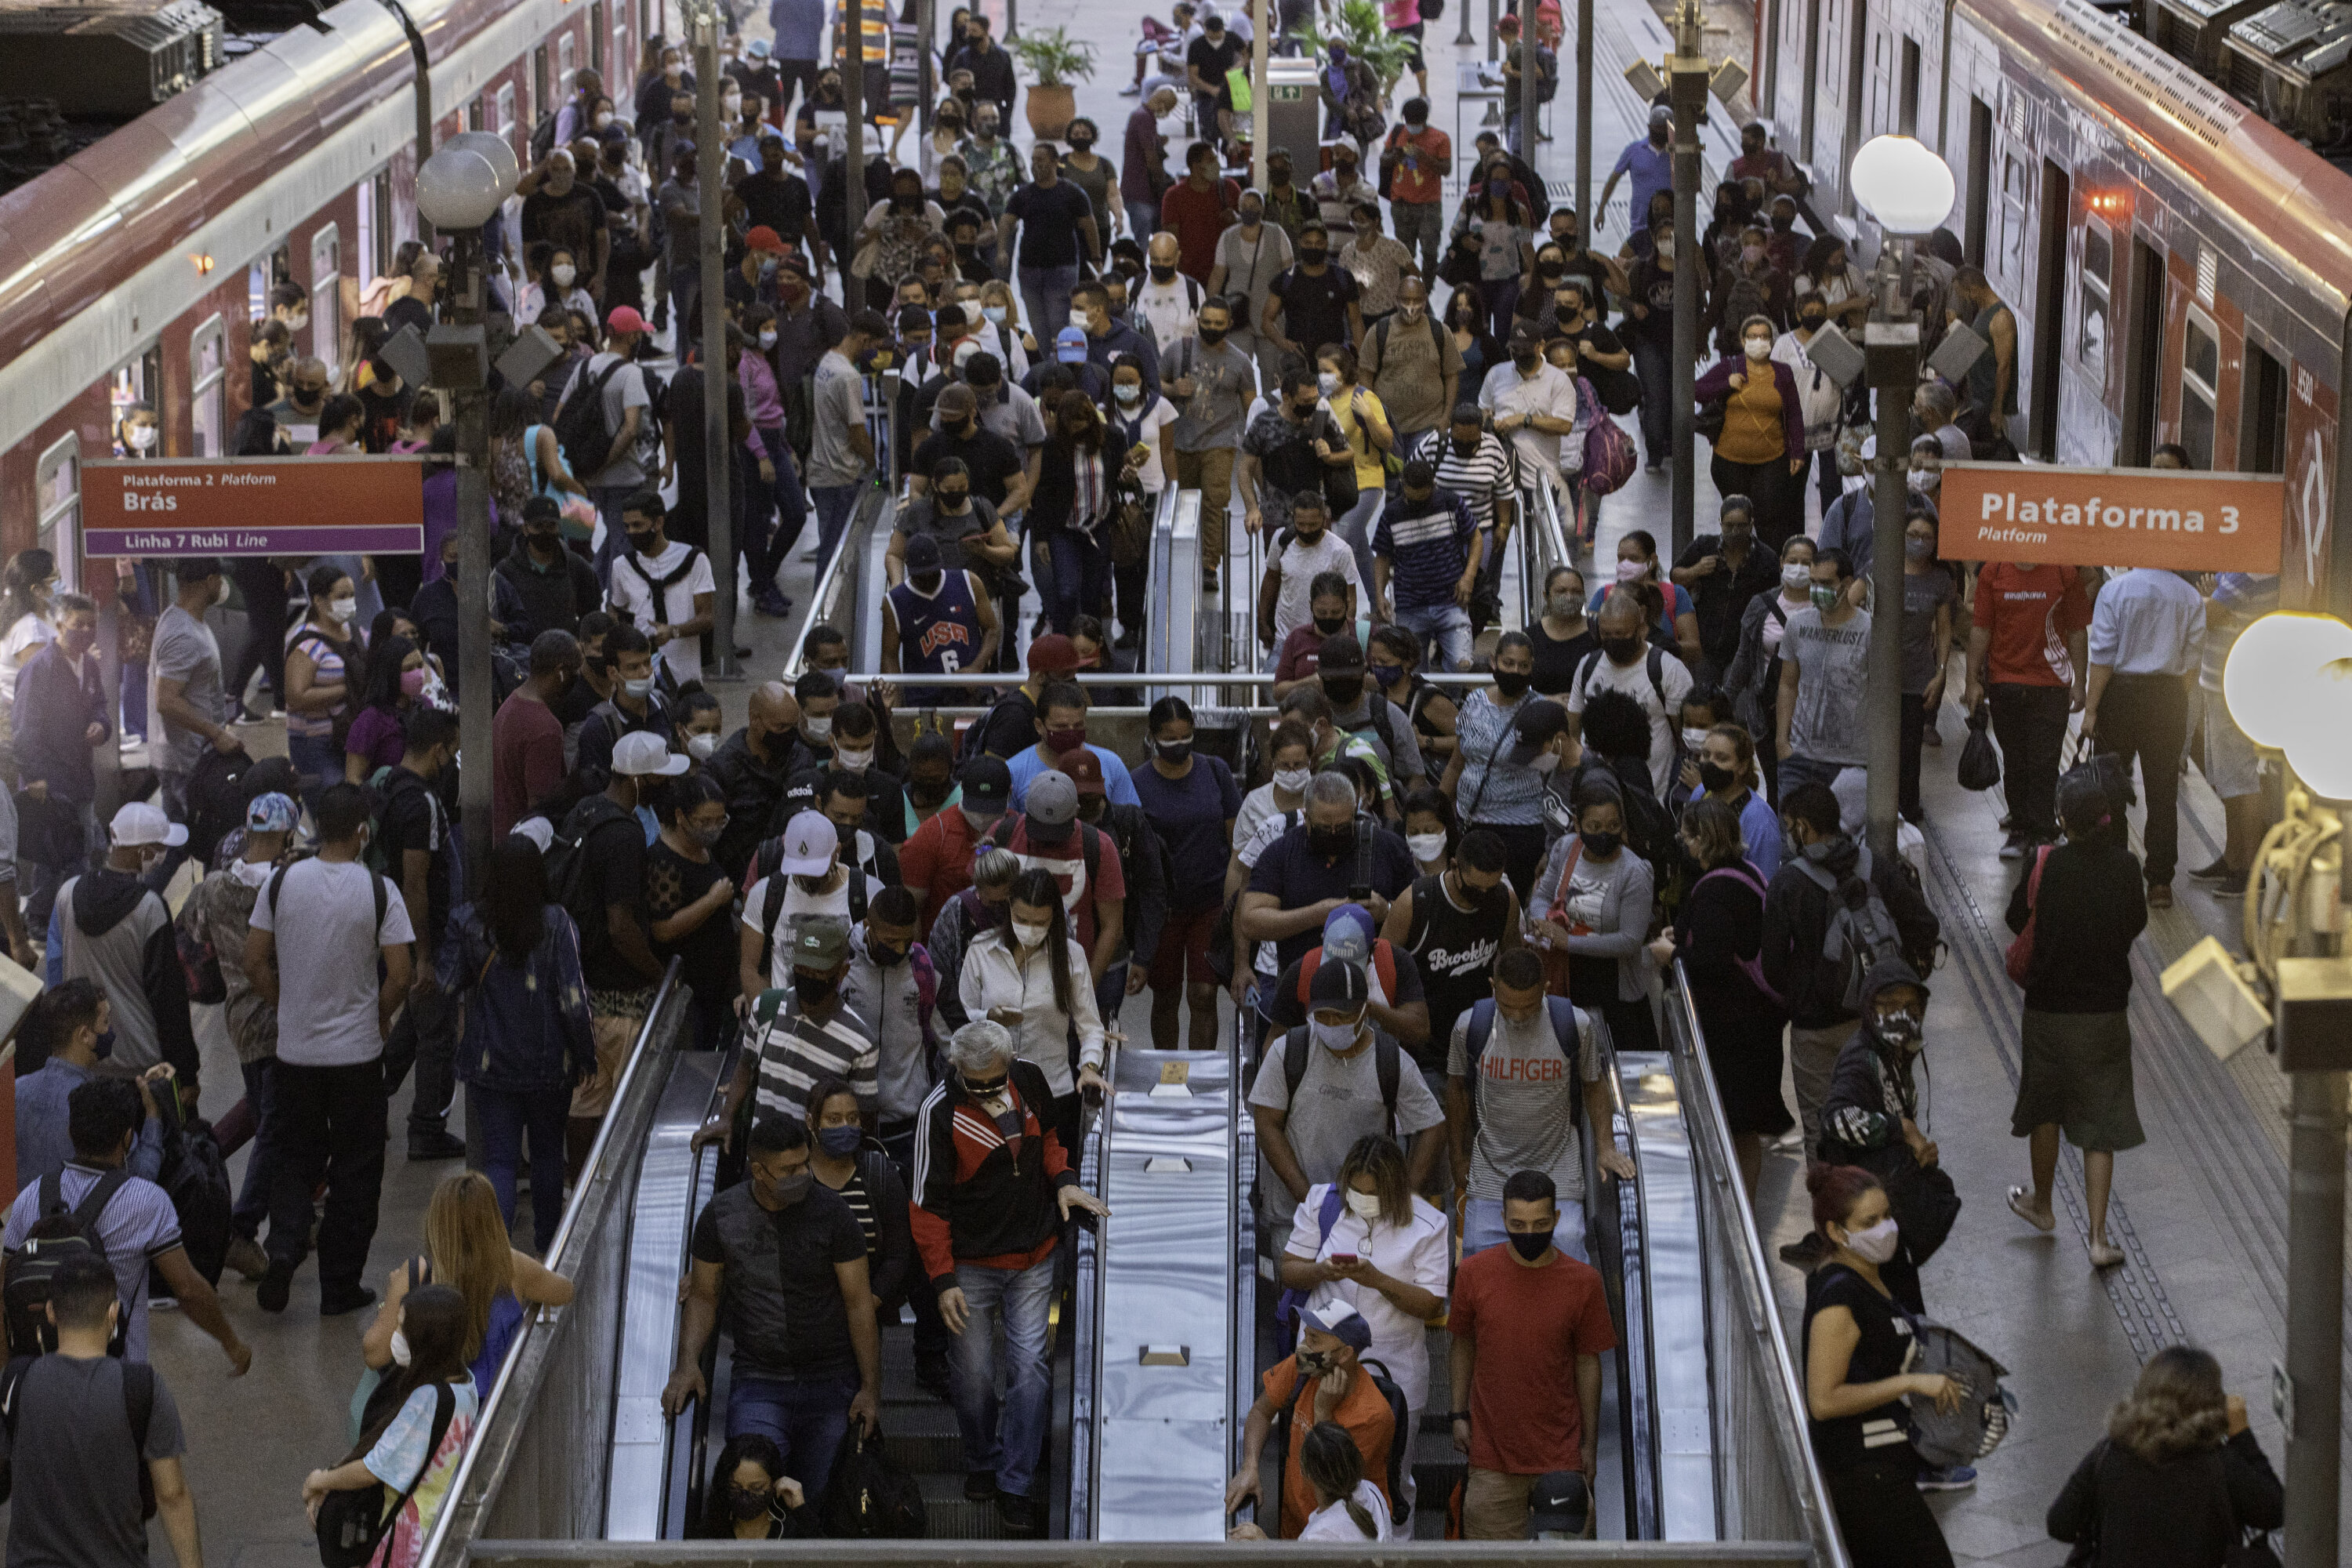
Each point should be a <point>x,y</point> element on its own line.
<point>810,843</point>
<point>140,823</point>
<point>642,753</point>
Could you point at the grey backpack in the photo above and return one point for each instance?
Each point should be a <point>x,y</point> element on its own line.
<point>1968,1434</point>
<point>1860,932</point>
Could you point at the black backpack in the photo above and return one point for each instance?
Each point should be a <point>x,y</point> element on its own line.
<point>216,800</point>
<point>138,1403</point>
<point>582,431</point>
<point>768,864</point>
<point>59,1234</point>
<point>195,1178</point>
<point>542,138</point>
<point>567,859</point>
<point>868,1497</point>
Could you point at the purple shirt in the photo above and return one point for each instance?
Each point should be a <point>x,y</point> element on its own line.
<point>376,735</point>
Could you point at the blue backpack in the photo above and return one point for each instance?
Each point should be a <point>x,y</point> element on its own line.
<point>1292,1300</point>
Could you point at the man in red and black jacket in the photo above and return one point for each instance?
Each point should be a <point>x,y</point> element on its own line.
<point>992,1188</point>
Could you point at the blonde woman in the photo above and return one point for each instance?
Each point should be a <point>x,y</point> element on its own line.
<point>466,1248</point>
<point>1000,329</point>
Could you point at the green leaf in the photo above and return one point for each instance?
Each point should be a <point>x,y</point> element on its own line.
<point>1054,58</point>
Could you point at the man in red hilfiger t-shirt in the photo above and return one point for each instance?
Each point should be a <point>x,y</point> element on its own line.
<point>2027,647</point>
<point>1529,1325</point>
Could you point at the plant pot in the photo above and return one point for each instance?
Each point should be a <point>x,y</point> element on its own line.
<point>1051,110</point>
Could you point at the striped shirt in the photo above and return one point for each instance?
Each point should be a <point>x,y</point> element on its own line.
<point>1484,477</point>
<point>861,1204</point>
<point>1427,546</point>
<point>795,1053</point>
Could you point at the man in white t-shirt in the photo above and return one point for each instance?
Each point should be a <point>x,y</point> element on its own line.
<point>663,589</point>
<point>1626,664</point>
<point>1169,303</point>
<point>815,882</point>
<point>1308,547</point>
<point>318,929</point>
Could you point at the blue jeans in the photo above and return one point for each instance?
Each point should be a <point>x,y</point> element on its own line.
<point>503,1117</point>
<point>1143,218</point>
<point>804,1416</point>
<point>1447,625</point>
<point>1501,298</point>
<point>319,761</point>
<point>835,504</point>
<point>253,1198</point>
<point>784,504</point>
<point>1653,366</point>
<point>1798,769</point>
<point>1482,1228</point>
<point>1046,295</point>
<point>1081,577</point>
<point>1354,527</point>
<point>1005,1435</point>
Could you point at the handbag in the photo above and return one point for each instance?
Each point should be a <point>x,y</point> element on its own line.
<point>1708,425</point>
<point>1980,761</point>
<point>352,1524</point>
<point>2020,959</point>
<point>1237,84</point>
<point>1555,959</point>
<point>1609,459</point>
<point>1130,529</point>
<point>1339,491</point>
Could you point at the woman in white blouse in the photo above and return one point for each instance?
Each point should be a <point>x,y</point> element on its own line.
<point>1031,976</point>
<point>1382,1251</point>
<point>1346,1505</point>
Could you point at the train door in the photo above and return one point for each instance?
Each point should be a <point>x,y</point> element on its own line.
<point>2050,310</point>
<point>541,101</point>
<point>326,298</point>
<point>56,495</point>
<point>2262,413</point>
<point>1812,73</point>
<point>208,421</point>
<point>1906,113</point>
<point>1857,83</point>
<point>1980,179</point>
<point>2143,354</point>
<point>1768,63</point>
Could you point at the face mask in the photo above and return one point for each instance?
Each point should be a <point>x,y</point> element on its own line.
<point>1080,320</point>
<point>1466,449</point>
<point>638,689</point>
<point>1060,741</point>
<point>412,682</point>
<point>699,748</point>
<point>1693,739</point>
<point>1333,1037</point>
<point>1811,321</point>
<point>140,436</point>
<point>812,989</point>
<point>1621,650</point>
<point>564,272</point>
<point>1365,1206</point>
<point>1313,255</point>
<point>1919,548</point>
<point>790,1190</point>
<point>1531,1245</point>
<point>1291,781</point>
<point>1030,936</point>
<point>1329,381</point>
<point>1902,1028</point>
<point>1631,571</point>
<point>1825,596</point>
<point>1127,394</point>
<point>1820,851</point>
<point>1715,780</point>
<point>1426,847</point>
<point>1759,349</point>
<point>1526,363</point>
<point>746,1505</point>
<point>1388,675</point>
<point>1344,691</point>
<point>994,313</point>
<point>1563,606</point>
<point>953,500</point>
<point>1314,1363</point>
<point>1331,842</point>
<point>1602,846</point>
<point>1796,577</point>
<point>400,1351</point>
<point>1925,481</point>
<point>841,1141</point>
<point>1175,753</point>
<point>603,119</point>
<point>1874,1244</point>
<point>819,728</point>
<point>296,324</point>
<point>1212,336</point>
<point>1512,683</point>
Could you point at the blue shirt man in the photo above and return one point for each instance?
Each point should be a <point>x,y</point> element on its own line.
<point>1651,163</point>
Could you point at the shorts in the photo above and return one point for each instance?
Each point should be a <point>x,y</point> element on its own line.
<point>1182,957</point>
<point>2077,1073</point>
<point>1413,62</point>
<point>2231,765</point>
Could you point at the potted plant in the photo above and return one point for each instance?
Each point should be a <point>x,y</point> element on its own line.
<point>1055,60</point>
<point>1360,24</point>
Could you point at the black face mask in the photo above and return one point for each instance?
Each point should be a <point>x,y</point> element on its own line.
<point>1212,336</point>
<point>1162,274</point>
<point>1782,224</point>
<point>885,957</point>
<point>1527,362</point>
<point>1531,1245</point>
<point>1312,255</point>
<point>1550,269</point>
<point>545,542</point>
<point>813,990</point>
<point>1175,753</point>
<point>1344,691</point>
<point>1713,778</point>
<point>1811,321</point>
<point>1621,650</point>
<point>1512,683</point>
<point>1604,845</point>
<point>1330,628</point>
<point>1331,842</point>
<point>1466,449</point>
<point>746,1505</point>
<point>953,500</point>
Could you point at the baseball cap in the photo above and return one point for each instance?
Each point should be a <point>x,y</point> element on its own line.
<point>140,823</point>
<point>1084,770</point>
<point>624,318</point>
<point>1053,653</point>
<point>810,843</point>
<point>643,754</point>
<point>1341,651</point>
<point>922,553</point>
<point>764,238</point>
<point>1526,339</point>
<point>271,813</point>
<point>541,509</point>
<point>758,49</point>
<point>987,785</point>
<point>958,402</point>
<point>913,319</point>
<point>1342,1322</point>
<point>1070,345</point>
<point>817,942</point>
<point>1339,986</point>
<point>195,568</point>
<point>1051,805</point>
<point>1537,724</point>
<point>1348,934</point>
<point>1662,114</point>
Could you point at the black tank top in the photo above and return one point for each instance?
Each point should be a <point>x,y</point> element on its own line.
<point>1878,1435</point>
<point>1456,950</point>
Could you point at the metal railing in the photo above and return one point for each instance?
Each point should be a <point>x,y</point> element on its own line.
<point>1767,1484</point>
<point>1172,617</point>
<point>849,586</point>
<point>1085,1372</point>
<point>537,1464</point>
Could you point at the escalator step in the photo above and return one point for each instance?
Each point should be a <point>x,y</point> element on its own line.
<point>954,1517</point>
<point>920,1453</point>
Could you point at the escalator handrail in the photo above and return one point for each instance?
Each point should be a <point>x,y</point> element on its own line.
<point>1086,1329</point>
<point>634,1097</point>
<point>1636,1412</point>
<point>836,577</point>
<point>1241,1328</point>
<point>1687,1045</point>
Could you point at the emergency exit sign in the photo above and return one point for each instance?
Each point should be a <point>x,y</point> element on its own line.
<point>1290,92</point>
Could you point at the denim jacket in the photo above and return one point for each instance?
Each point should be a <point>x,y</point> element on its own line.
<point>526,1028</point>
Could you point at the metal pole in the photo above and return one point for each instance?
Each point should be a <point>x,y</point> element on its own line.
<point>1261,104</point>
<point>1689,89</point>
<point>1012,25</point>
<point>1465,35</point>
<point>1529,79</point>
<point>926,86</point>
<point>473,714</point>
<point>717,455</point>
<point>1891,339</point>
<point>1588,221</point>
<point>849,58</point>
<point>2315,1315</point>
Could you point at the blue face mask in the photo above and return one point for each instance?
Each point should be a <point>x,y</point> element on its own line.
<point>841,1141</point>
<point>1388,674</point>
<point>103,1046</point>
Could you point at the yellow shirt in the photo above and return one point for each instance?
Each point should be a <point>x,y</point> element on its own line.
<point>1752,432</point>
<point>1372,473</point>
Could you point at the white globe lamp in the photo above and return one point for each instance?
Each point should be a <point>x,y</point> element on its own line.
<point>2276,682</point>
<point>1903,185</point>
<point>496,149</point>
<point>457,188</point>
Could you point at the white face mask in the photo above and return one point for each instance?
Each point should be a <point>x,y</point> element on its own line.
<point>1333,1037</point>
<point>1365,1206</point>
<point>699,747</point>
<point>1547,762</point>
<point>994,313</point>
<point>603,119</point>
<point>296,324</point>
<point>1127,394</point>
<point>1796,577</point>
<point>1079,320</point>
<point>1758,348</point>
<point>1030,936</point>
<point>1328,381</point>
<point>400,1351</point>
<point>856,761</point>
<point>1426,847</point>
<point>341,609</point>
<point>140,436</point>
<point>1874,1243</point>
<point>768,339</point>
<point>818,729</point>
<point>1693,740</point>
<point>1291,781</point>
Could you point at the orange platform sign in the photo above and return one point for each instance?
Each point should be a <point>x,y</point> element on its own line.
<point>253,506</point>
<point>2178,520</point>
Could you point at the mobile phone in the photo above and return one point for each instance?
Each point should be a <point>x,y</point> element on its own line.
<point>1346,1259</point>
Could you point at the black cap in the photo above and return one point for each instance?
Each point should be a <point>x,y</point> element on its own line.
<point>1339,985</point>
<point>541,509</point>
<point>987,784</point>
<point>913,319</point>
<point>1419,475</point>
<point>194,568</point>
<point>1539,722</point>
<point>1340,652</point>
<point>922,553</point>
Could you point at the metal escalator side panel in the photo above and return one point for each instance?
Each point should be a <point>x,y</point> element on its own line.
<point>1675,1294</point>
<point>864,595</point>
<point>1086,1361</point>
<point>1619,1253</point>
<point>688,1451</point>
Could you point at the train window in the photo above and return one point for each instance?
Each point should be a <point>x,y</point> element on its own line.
<point>2013,205</point>
<point>209,378</point>
<point>2262,421</point>
<point>1812,24</point>
<point>380,260</point>
<point>2098,265</point>
<point>1906,120</point>
<point>506,125</point>
<point>327,297</point>
<point>474,115</point>
<point>542,98</point>
<point>596,37</point>
<point>2201,362</point>
<point>1972,243</point>
<point>567,51</point>
<point>56,491</point>
<point>364,242</point>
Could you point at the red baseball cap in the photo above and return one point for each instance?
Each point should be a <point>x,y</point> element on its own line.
<point>764,238</point>
<point>1052,655</point>
<point>1084,770</point>
<point>624,318</point>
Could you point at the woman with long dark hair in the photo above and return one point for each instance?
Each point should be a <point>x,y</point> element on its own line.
<point>514,956</point>
<point>1466,318</point>
<point>1718,936</point>
<point>390,684</point>
<point>1078,487</point>
<point>324,665</point>
<point>750,1498</point>
<point>397,1450</point>
<point>1500,226</point>
<point>1031,976</point>
<point>2178,1478</point>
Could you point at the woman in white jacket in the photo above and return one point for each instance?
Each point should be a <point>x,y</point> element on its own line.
<point>1031,976</point>
<point>1821,399</point>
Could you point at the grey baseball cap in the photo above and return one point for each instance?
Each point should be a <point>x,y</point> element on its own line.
<point>1052,803</point>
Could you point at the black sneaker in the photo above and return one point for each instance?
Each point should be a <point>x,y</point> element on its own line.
<point>1022,1516</point>
<point>932,1376</point>
<point>980,1486</point>
<point>2014,845</point>
<point>434,1146</point>
<point>2219,871</point>
<point>339,1306</point>
<point>1808,1252</point>
<point>275,1287</point>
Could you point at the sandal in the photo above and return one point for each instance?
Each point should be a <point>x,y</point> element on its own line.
<point>2019,1206</point>
<point>2104,1256</point>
